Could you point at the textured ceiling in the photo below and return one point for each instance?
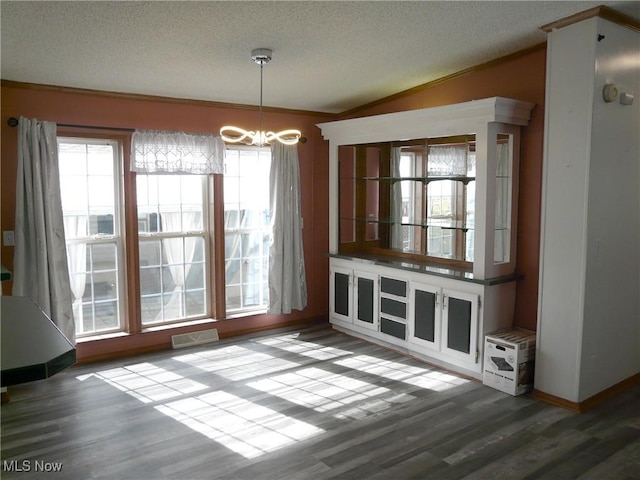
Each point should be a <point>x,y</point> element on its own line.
<point>327,56</point>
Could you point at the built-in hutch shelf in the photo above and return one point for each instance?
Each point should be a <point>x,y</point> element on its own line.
<point>423,215</point>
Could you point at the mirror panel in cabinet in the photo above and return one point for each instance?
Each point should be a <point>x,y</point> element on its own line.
<point>415,197</point>
<point>372,173</point>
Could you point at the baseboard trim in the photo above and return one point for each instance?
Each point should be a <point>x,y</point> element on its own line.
<point>591,402</point>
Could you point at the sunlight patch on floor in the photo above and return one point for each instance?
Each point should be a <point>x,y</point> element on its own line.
<point>290,343</point>
<point>420,377</point>
<point>148,382</point>
<point>325,391</point>
<point>241,426</point>
<point>236,363</point>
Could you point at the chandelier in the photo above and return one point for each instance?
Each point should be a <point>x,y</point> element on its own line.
<point>232,134</point>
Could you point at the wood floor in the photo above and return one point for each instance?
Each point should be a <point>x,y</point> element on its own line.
<point>310,405</point>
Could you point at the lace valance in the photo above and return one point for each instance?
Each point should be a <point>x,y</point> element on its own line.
<point>449,160</point>
<point>155,151</point>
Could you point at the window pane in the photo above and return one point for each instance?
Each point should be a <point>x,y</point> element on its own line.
<point>101,192</point>
<point>231,218</point>
<point>150,253</point>
<point>73,191</point>
<point>195,302</point>
<point>151,307</point>
<point>233,273</point>
<point>105,316</point>
<point>169,186</point>
<point>105,286</point>
<point>196,277</point>
<point>191,190</point>
<point>233,297</point>
<point>84,320</point>
<point>150,280</point>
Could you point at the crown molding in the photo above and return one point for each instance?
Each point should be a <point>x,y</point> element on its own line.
<point>603,12</point>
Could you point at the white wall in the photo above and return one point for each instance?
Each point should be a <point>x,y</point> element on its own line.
<point>589,315</point>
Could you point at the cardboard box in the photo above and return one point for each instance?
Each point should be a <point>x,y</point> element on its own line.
<point>509,357</point>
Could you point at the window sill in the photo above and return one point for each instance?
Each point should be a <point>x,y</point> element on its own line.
<point>154,328</point>
<point>102,336</point>
<point>170,326</point>
<point>262,311</point>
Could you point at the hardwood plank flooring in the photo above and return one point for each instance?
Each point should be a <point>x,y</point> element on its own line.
<point>309,404</point>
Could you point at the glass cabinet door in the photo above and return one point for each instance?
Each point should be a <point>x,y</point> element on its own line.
<point>347,194</point>
<point>504,193</point>
<point>418,197</point>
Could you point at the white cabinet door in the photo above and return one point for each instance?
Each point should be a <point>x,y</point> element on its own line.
<point>341,294</point>
<point>460,325</point>
<point>365,294</point>
<point>425,313</point>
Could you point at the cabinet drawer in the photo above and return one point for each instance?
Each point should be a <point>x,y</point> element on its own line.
<point>393,286</point>
<point>395,329</point>
<point>393,307</point>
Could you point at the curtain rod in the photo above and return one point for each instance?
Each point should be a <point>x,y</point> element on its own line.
<point>13,122</point>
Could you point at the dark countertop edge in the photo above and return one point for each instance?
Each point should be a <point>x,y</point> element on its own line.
<point>4,273</point>
<point>38,371</point>
<point>423,268</point>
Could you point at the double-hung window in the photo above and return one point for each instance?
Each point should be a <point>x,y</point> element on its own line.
<point>169,275</point>
<point>173,236</point>
<point>246,228</point>
<point>91,203</point>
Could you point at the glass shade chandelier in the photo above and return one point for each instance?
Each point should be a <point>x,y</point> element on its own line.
<point>232,134</point>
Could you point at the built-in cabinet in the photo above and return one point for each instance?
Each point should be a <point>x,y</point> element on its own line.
<point>423,215</point>
<point>432,316</point>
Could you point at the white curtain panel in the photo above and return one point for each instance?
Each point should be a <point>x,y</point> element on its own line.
<point>287,279</point>
<point>77,260</point>
<point>154,151</point>
<point>40,259</point>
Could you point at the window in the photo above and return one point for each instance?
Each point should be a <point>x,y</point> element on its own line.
<point>170,277</point>
<point>89,173</point>
<point>246,228</point>
<point>173,236</point>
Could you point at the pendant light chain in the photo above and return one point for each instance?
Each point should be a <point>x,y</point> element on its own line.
<point>261,132</point>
